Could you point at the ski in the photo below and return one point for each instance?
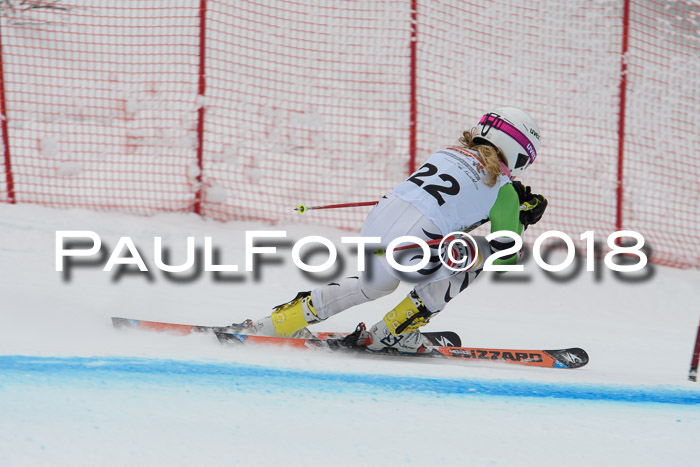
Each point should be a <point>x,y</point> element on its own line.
<point>562,358</point>
<point>447,344</point>
<point>440,338</point>
<point>173,328</point>
<point>573,357</point>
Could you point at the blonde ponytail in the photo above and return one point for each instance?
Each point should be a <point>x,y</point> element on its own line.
<point>491,156</point>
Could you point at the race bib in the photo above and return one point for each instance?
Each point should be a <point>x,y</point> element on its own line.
<point>449,189</point>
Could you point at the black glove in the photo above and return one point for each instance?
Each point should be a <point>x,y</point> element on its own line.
<point>532,206</point>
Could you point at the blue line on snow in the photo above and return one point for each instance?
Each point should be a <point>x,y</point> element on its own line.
<point>279,379</point>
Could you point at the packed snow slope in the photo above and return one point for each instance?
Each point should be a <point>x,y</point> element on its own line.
<point>73,391</point>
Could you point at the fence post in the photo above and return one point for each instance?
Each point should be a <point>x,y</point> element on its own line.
<point>200,97</point>
<point>5,134</point>
<point>621,123</point>
<point>413,110</point>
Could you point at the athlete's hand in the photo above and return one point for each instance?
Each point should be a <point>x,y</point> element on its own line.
<point>532,206</point>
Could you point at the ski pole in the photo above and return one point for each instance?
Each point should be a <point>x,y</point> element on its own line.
<point>302,208</point>
<point>693,374</point>
<point>380,251</point>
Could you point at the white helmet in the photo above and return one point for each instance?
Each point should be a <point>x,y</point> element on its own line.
<point>515,132</point>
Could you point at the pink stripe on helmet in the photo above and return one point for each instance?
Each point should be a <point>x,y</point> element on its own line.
<point>494,121</point>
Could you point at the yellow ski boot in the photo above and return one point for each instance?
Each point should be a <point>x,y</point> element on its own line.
<point>290,319</point>
<point>399,328</point>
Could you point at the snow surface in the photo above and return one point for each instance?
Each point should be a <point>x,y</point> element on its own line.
<point>73,391</point>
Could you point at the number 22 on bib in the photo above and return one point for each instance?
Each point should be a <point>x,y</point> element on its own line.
<point>449,189</point>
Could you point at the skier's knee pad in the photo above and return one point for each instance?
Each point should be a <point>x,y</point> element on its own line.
<point>374,287</point>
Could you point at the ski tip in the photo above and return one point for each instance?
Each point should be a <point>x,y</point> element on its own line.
<point>444,338</point>
<point>573,357</point>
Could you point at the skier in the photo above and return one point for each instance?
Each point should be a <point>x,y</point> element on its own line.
<point>456,189</point>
